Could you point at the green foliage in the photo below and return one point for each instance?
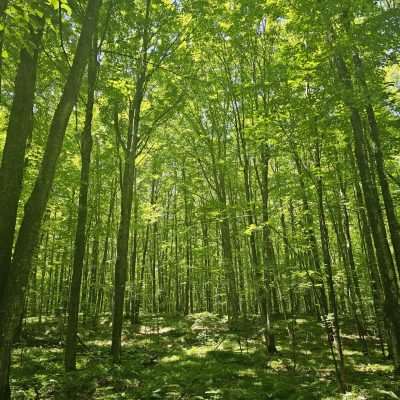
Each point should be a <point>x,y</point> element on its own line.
<point>193,371</point>
<point>245,187</point>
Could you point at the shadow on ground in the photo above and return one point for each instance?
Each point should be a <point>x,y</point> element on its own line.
<point>197,358</point>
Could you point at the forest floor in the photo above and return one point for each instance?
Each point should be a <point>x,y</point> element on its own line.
<point>197,357</point>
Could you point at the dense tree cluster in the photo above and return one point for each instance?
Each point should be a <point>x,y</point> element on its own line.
<point>179,156</point>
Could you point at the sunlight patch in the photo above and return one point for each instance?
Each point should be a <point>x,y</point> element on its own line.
<point>100,343</point>
<point>348,352</point>
<point>170,359</point>
<point>376,368</point>
<point>248,372</point>
<point>199,351</point>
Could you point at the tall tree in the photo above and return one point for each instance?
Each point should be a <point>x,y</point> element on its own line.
<point>127,184</point>
<point>80,236</point>
<point>19,130</point>
<point>12,301</point>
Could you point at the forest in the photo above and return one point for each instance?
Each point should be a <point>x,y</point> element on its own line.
<point>199,199</point>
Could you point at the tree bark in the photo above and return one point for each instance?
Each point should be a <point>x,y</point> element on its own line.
<point>3,7</point>
<point>383,255</point>
<point>121,264</point>
<point>13,161</point>
<point>106,251</point>
<point>80,235</point>
<point>267,279</point>
<point>313,253</point>
<point>12,302</point>
<point>332,324</point>
<point>378,156</point>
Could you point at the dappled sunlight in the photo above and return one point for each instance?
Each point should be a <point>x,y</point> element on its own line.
<point>170,359</point>
<point>100,343</point>
<point>373,368</point>
<point>199,199</point>
<point>177,362</point>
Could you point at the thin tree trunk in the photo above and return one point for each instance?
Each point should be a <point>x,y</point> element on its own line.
<point>127,195</point>
<point>3,7</point>
<point>334,323</point>
<point>313,253</point>
<point>187,220</point>
<point>266,280</point>
<point>176,260</point>
<point>350,265</point>
<point>106,251</point>
<point>80,235</point>
<point>133,261</point>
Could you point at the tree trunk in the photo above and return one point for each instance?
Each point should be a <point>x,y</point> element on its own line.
<point>333,323</point>
<point>3,6</point>
<point>19,129</point>
<point>13,299</point>
<point>80,235</point>
<point>133,261</point>
<point>127,195</point>
<point>346,246</point>
<point>379,161</point>
<point>313,253</point>
<point>106,251</point>
<point>122,256</point>
<point>266,282</point>
<point>384,257</point>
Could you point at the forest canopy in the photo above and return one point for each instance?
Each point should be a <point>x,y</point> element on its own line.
<point>199,199</point>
